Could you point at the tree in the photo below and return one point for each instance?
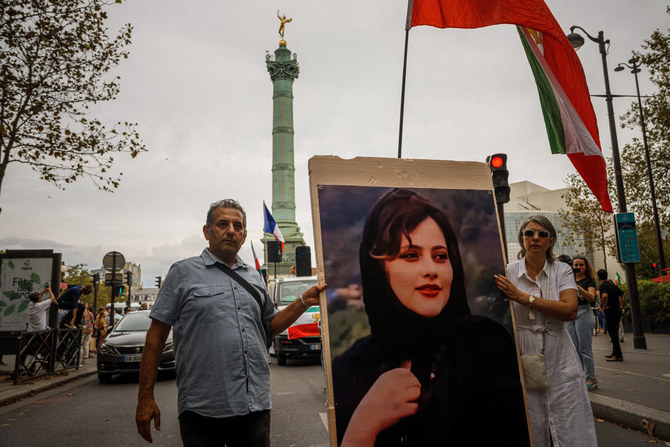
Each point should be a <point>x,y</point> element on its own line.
<point>584,223</point>
<point>55,59</point>
<point>76,274</point>
<point>655,58</point>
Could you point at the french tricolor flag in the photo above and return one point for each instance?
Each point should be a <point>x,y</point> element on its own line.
<point>271,226</point>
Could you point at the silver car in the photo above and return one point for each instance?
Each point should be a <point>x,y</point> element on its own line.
<point>121,352</point>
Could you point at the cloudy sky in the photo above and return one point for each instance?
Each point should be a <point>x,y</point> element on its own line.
<point>197,85</point>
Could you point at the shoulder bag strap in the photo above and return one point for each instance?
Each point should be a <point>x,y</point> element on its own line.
<point>241,281</point>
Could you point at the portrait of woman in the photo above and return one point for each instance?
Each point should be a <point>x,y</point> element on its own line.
<point>429,372</point>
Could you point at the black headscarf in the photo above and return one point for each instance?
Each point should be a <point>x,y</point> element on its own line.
<point>398,332</point>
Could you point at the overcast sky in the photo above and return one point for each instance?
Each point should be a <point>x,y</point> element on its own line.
<point>197,85</point>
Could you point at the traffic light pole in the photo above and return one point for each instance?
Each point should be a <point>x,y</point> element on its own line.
<point>501,218</point>
<point>130,285</point>
<point>114,289</point>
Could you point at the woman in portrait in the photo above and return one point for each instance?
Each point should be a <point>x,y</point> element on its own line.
<point>545,298</point>
<point>429,373</point>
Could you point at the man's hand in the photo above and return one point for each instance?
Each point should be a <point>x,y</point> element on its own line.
<point>146,404</point>
<point>311,295</point>
<point>146,411</point>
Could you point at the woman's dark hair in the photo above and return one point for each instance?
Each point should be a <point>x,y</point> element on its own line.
<point>588,271</point>
<point>393,326</point>
<point>544,223</point>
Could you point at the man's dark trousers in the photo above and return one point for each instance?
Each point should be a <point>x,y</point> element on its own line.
<point>251,430</point>
<point>613,318</point>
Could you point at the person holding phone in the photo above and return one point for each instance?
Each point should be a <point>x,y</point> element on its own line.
<point>581,328</point>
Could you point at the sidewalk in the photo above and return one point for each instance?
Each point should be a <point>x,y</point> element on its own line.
<point>10,393</point>
<point>634,393</point>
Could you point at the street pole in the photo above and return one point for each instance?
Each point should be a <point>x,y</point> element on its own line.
<point>639,341</point>
<point>635,69</point>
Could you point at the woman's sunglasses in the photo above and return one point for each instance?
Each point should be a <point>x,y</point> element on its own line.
<point>542,234</point>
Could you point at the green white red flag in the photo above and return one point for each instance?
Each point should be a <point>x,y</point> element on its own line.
<point>257,264</point>
<point>566,106</point>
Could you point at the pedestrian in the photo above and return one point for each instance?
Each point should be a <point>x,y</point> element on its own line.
<point>581,328</point>
<point>544,295</point>
<point>219,325</point>
<point>612,298</point>
<point>429,372</point>
<point>37,310</point>
<point>100,328</point>
<point>87,327</point>
<point>69,300</point>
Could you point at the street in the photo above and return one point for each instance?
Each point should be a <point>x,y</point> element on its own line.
<point>85,412</point>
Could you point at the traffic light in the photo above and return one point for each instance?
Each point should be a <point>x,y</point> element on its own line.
<point>121,289</point>
<point>499,175</point>
<point>159,281</point>
<point>129,277</point>
<point>654,270</point>
<point>96,281</point>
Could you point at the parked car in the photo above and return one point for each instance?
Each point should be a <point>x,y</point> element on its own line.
<point>302,338</point>
<point>121,352</point>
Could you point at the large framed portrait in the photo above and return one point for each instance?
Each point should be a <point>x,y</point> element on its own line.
<point>419,345</point>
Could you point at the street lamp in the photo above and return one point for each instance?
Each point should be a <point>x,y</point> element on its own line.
<point>635,69</point>
<point>639,342</point>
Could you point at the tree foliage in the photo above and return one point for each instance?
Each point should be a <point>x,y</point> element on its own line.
<point>79,275</point>
<point>584,223</point>
<point>655,59</point>
<point>55,62</point>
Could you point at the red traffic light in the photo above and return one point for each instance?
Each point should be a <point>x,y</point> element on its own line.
<point>497,162</point>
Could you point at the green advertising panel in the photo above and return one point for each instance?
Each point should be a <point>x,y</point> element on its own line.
<point>19,277</point>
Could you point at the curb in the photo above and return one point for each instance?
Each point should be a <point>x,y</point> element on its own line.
<point>634,416</point>
<point>53,383</point>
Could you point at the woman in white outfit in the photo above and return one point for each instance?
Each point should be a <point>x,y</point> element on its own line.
<point>544,296</point>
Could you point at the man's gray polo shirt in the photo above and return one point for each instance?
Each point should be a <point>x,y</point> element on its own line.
<point>222,367</point>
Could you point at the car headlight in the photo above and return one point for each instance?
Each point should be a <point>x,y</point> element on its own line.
<point>168,347</point>
<point>104,349</point>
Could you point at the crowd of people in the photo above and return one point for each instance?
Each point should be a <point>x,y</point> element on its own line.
<point>72,314</point>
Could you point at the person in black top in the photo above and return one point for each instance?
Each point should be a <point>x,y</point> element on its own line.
<point>581,328</point>
<point>611,299</point>
<point>429,374</point>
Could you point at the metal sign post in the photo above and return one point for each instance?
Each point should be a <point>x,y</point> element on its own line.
<point>113,261</point>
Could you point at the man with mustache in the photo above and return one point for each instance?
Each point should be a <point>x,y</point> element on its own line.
<point>223,379</point>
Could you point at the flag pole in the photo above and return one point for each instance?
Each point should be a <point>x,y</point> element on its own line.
<point>408,25</point>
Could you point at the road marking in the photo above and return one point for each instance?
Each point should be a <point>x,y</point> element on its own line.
<point>284,393</point>
<point>324,419</point>
<point>632,373</point>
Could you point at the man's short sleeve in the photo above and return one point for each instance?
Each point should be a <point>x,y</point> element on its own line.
<point>169,300</point>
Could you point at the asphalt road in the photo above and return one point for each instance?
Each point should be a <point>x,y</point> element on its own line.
<point>85,412</point>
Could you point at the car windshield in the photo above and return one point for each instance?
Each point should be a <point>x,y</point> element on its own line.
<point>133,322</point>
<point>290,291</point>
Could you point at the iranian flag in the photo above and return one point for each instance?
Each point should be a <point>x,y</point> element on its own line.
<point>256,262</point>
<point>564,95</point>
<point>307,324</point>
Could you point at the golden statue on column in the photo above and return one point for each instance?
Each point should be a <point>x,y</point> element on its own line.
<point>282,25</point>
